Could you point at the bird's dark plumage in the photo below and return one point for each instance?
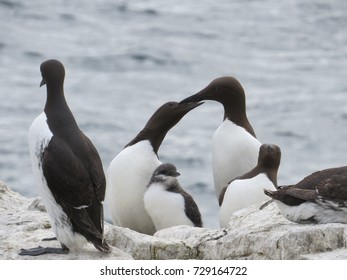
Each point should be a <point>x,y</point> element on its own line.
<point>69,163</point>
<point>324,191</point>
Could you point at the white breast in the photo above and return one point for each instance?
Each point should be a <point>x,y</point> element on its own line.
<point>127,178</point>
<point>322,212</point>
<point>234,152</point>
<point>165,208</point>
<point>243,193</point>
<point>39,137</point>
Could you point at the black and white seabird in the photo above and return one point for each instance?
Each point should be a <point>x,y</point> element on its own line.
<point>167,203</point>
<point>319,198</point>
<point>234,147</point>
<point>248,188</point>
<point>67,169</point>
<point>130,171</point>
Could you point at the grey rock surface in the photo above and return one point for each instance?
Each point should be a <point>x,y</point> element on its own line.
<point>251,234</point>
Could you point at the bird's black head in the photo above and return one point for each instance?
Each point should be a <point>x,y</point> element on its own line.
<point>269,156</point>
<point>269,161</point>
<point>53,72</point>
<point>165,172</point>
<point>162,120</point>
<point>226,90</point>
<point>229,92</point>
<point>169,114</point>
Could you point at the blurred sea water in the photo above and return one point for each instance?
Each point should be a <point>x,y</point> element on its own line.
<point>124,59</point>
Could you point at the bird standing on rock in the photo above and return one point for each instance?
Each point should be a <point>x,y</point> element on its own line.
<point>234,146</point>
<point>68,171</point>
<point>130,171</point>
<point>167,203</point>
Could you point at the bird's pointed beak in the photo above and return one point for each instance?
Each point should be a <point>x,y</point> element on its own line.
<point>177,174</point>
<point>43,82</point>
<point>186,107</point>
<point>201,95</point>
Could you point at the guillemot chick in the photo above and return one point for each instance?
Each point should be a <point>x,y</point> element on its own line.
<point>167,203</point>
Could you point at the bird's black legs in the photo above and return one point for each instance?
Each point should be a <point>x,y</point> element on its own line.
<point>41,250</point>
<point>49,239</point>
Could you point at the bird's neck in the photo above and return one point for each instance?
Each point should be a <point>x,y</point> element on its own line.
<point>269,172</point>
<point>272,175</point>
<point>59,116</point>
<point>236,113</point>
<point>254,172</point>
<point>240,119</point>
<point>155,137</point>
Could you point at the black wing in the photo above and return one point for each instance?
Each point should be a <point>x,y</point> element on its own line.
<point>96,171</point>
<point>327,184</point>
<point>319,177</point>
<point>192,210</point>
<point>77,182</point>
<point>333,188</point>
<point>291,195</point>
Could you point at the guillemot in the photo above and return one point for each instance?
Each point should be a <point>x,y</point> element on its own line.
<point>67,169</point>
<point>318,198</point>
<point>234,145</point>
<point>130,171</point>
<point>167,203</point>
<point>248,188</point>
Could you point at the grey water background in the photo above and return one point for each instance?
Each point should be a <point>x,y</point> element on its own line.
<point>124,59</point>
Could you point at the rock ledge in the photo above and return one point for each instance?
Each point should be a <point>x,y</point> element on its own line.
<point>251,234</point>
